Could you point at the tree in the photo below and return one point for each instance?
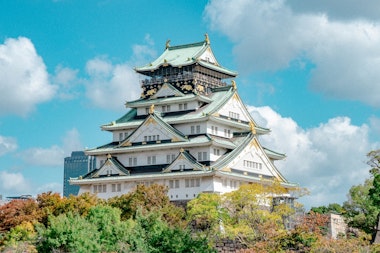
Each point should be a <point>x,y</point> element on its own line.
<point>363,205</point>
<point>112,231</point>
<point>206,214</point>
<point>18,211</point>
<point>331,208</point>
<point>148,199</point>
<point>160,237</point>
<point>374,191</point>
<point>69,233</point>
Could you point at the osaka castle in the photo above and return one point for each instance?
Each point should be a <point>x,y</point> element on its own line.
<point>189,130</point>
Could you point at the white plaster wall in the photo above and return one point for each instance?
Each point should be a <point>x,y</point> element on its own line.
<point>233,105</point>
<point>186,128</point>
<point>116,135</point>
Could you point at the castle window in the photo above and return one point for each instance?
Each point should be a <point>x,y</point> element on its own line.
<point>198,129</point>
<point>132,161</point>
<point>173,184</point>
<point>116,187</point>
<point>192,182</point>
<point>234,115</point>
<point>253,165</point>
<point>151,159</point>
<point>170,158</point>
<point>120,136</point>
<point>100,188</point>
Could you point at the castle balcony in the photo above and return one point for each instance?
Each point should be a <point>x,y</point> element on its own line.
<point>184,77</point>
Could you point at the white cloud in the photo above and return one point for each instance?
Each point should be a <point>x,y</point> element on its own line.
<point>24,80</point>
<point>339,9</point>
<point>13,182</point>
<point>72,142</point>
<point>327,159</point>
<point>110,86</point>
<point>7,144</point>
<point>48,157</point>
<point>270,36</point>
<point>143,53</point>
<point>67,80</point>
<point>53,187</point>
<point>54,155</point>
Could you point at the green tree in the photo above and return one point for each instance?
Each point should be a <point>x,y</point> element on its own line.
<point>363,205</point>
<point>160,237</point>
<point>112,231</point>
<point>69,233</point>
<point>148,199</point>
<point>205,214</point>
<point>331,208</point>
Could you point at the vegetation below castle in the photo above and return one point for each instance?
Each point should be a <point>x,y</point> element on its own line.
<point>146,221</point>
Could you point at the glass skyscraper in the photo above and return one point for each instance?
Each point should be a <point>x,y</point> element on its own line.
<point>78,164</point>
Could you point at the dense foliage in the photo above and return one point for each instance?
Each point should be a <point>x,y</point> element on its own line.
<point>144,220</point>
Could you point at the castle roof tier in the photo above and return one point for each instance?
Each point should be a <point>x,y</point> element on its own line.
<point>189,130</point>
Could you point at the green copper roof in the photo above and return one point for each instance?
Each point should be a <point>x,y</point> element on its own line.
<point>183,55</point>
<point>273,154</point>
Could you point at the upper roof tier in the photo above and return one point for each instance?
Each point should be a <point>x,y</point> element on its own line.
<point>184,55</point>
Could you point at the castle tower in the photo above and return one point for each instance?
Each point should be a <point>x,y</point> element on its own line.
<point>189,130</point>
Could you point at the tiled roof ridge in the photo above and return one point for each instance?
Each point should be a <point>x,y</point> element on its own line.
<point>195,44</point>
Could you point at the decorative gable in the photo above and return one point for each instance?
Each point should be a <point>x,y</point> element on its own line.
<point>208,56</point>
<point>234,109</point>
<point>249,159</point>
<point>167,90</point>
<point>111,167</point>
<point>153,129</point>
<point>183,162</point>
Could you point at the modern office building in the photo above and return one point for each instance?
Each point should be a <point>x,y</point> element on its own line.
<point>189,130</point>
<point>76,165</point>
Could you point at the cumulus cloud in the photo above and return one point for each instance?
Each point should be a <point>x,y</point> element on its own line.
<point>339,9</point>
<point>143,53</point>
<point>67,80</point>
<point>7,144</point>
<point>327,159</point>
<point>13,182</point>
<point>54,155</point>
<point>24,81</point>
<point>53,187</point>
<point>109,85</point>
<point>271,35</point>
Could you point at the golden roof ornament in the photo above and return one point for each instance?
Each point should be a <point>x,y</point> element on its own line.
<point>109,156</point>
<point>207,39</point>
<point>151,109</point>
<point>167,44</point>
<point>252,127</point>
<point>233,83</point>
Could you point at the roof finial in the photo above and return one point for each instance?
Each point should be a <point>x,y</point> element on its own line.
<point>109,156</point>
<point>207,39</point>
<point>233,83</point>
<point>252,127</point>
<point>151,109</point>
<point>167,45</point>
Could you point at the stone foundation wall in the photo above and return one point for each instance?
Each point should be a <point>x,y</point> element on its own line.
<point>228,246</point>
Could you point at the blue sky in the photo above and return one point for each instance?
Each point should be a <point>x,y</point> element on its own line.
<point>309,72</point>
